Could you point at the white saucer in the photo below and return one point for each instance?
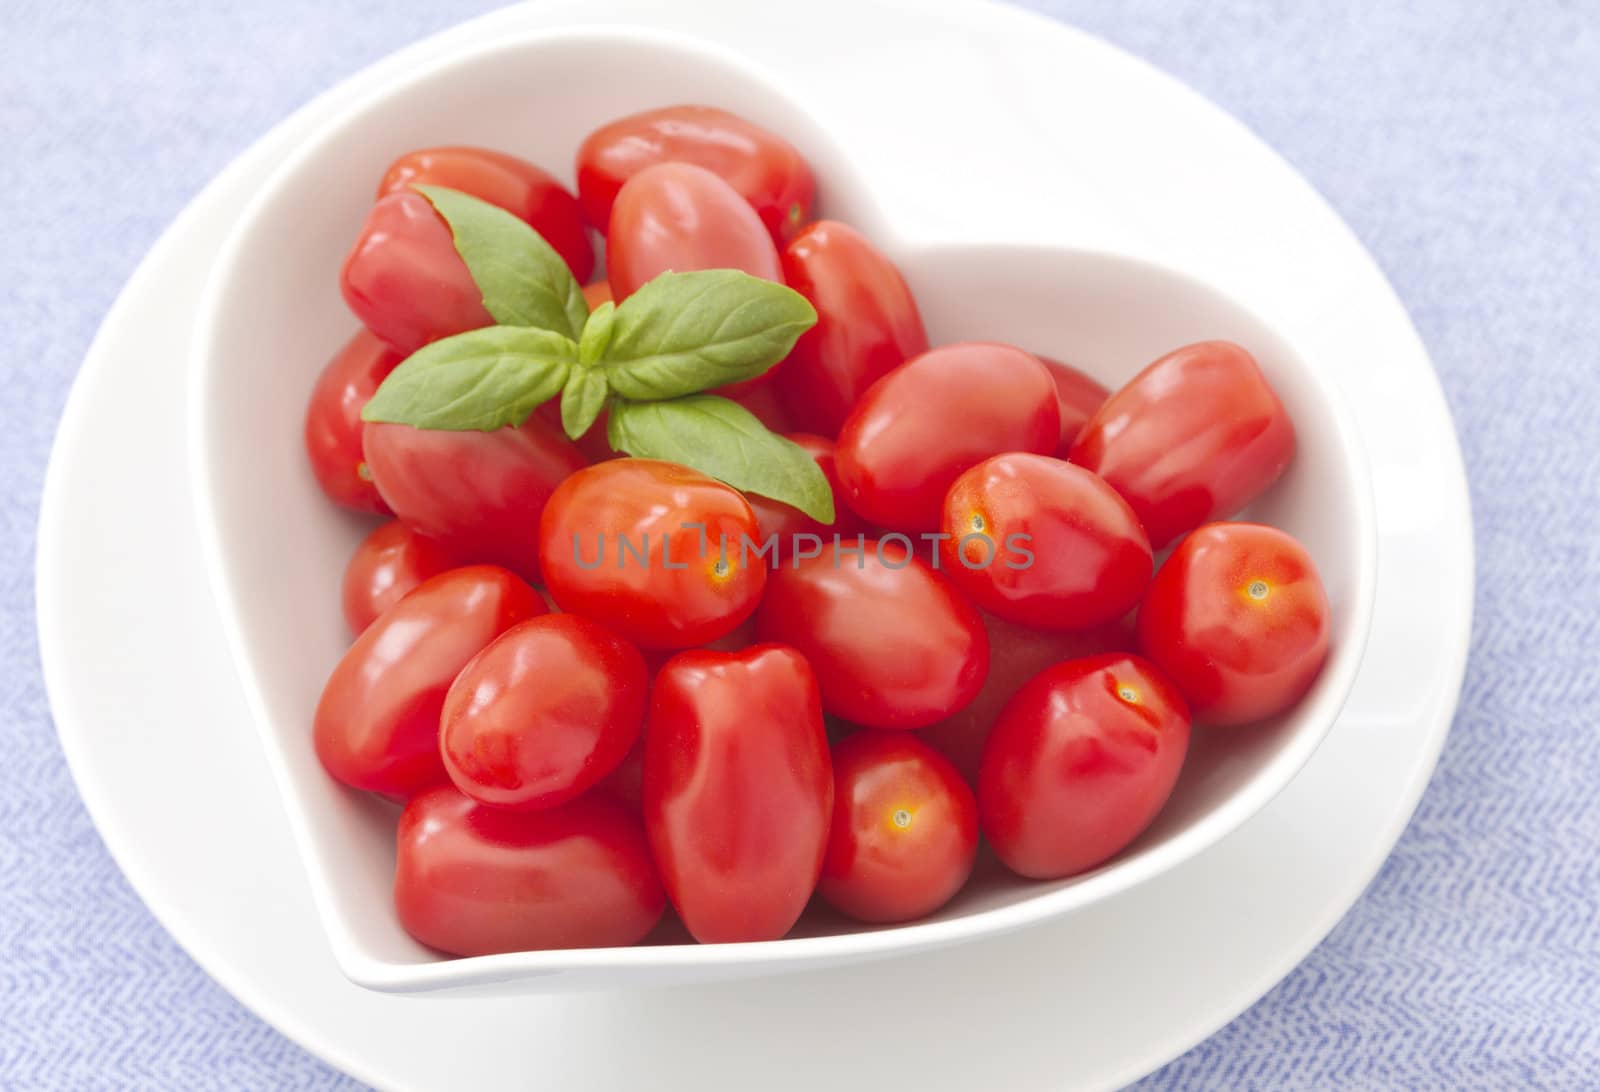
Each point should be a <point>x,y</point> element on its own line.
<point>158,738</point>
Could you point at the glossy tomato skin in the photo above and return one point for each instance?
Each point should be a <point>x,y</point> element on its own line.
<point>478,494</point>
<point>738,790</point>
<point>377,724</point>
<point>1018,654</point>
<point>474,880</point>
<point>1238,618</point>
<point>404,280</point>
<point>678,217</point>
<point>388,564</point>
<point>915,430</point>
<point>894,645</point>
<point>1079,395</point>
<point>763,168</point>
<point>867,324</point>
<point>1079,763</point>
<point>905,829</point>
<point>333,421</point>
<point>525,191</point>
<point>544,712</point>
<point>1194,437</point>
<point>621,542</point>
<point>786,521</point>
<point>1045,543</point>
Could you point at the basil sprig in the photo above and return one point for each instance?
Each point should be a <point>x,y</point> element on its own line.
<point>482,379</point>
<point>688,332</point>
<point>646,361</point>
<point>720,437</point>
<point>523,280</point>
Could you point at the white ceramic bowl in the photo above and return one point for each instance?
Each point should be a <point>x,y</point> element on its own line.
<point>272,316</point>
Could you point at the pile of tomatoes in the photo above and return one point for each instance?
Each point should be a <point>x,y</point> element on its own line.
<point>594,697</point>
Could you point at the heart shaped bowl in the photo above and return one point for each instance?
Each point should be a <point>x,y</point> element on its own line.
<point>271,316</point>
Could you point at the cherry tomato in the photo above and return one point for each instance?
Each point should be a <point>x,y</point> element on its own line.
<point>1042,542</point>
<point>473,880</point>
<point>1238,618</point>
<point>681,218</point>
<point>479,494</point>
<point>390,562</point>
<point>333,421</point>
<point>597,292</point>
<point>513,184</point>
<point>894,645</point>
<point>377,724</point>
<point>762,167</point>
<point>654,550</point>
<point>905,829</point>
<point>915,430</point>
<point>626,782</point>
<point>592,444</point>
<point>1018,654</point>
<point>544,712</point>
<point>404,279</point>
<point>1079,763</point>
<point>762,398</point>
<point>1079,395</point>
<point>786,521</point>
<point>737,789</point>
<point>1194,437</point>
<point>867,324</point>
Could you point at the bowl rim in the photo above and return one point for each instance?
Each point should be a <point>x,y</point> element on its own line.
<point>1118,875</point>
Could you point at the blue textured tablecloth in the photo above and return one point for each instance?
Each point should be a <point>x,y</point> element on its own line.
<point>1462,143</point>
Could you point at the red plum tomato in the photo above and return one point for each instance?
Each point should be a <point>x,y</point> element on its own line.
<point>915,430</point>
<point>654,550</point>
<point>1045,543</point>
<point>1193,438</point>
<point>678,217</point>
<point>894,645</point>
<point>786,521</point>
<point>390,561</point>
<point>738,791</point>
<point>1018,654</point>
<point>763,168</point>
<point>404,280</point>
<point>762,399</point>
<point>333,421</point>
<point>547,710</point>
<point>377,724</point>
<point>479,494</point>
<point>905,829</point>
<point>1079,763</point>
<point>472,880</point>
<point>867,324</point>
<point>1079,395</point>
<point>527,192</point>
<point>597,292</point>
<point>1238,618</point>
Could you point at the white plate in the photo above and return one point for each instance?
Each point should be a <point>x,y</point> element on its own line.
<point>158,736</point>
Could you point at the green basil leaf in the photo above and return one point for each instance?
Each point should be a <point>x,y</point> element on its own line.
<point>523,280</point>
<point>482,379</point>
<point>687,332</point>
<point>723,439</point>
<point>582,399</point>
<point>597,334</point>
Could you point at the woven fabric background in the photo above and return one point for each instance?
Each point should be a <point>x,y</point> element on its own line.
<point>1461,140</point>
